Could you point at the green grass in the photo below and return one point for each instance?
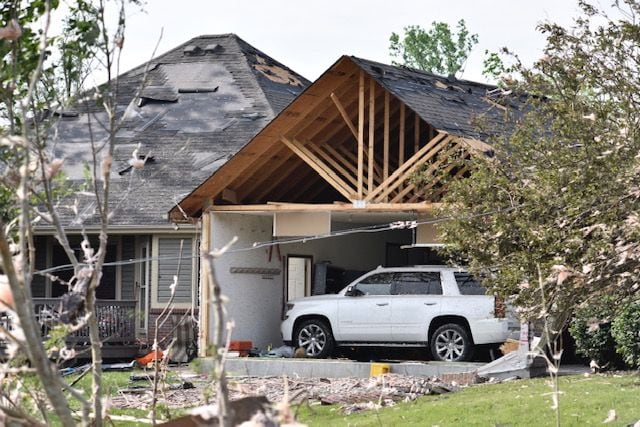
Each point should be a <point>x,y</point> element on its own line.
<point>585,401</point>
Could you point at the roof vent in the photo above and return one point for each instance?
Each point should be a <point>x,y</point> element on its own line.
<point>192,50</point>
<point>212,48</point>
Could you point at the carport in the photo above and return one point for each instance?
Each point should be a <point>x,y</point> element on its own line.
<point>328,189</point>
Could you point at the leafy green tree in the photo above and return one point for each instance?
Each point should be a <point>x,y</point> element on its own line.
<point>437,50</point>
<point>553,218</point>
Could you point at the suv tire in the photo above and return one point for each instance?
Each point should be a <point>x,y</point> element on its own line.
<point>451,343</point>
<point>315,337</point>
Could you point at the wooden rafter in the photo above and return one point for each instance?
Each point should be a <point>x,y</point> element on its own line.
<point>305,182</point>
<point>434,182</point>
<point>344,114</point>
<point>285,169</point>
<point>360,135</point>
<point>372,135</point>
<point>333,207</point>
<point>432,167</point>
<point>385,154</point>
<point>406,168</point>
<point>401,135</point>
<point>349,155</point>
<point>324,153</point>
<point>319,166</point>
<point>456,176</point>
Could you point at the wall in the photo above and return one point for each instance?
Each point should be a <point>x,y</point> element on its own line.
<point>255,301</point>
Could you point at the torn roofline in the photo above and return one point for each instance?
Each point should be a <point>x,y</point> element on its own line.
<point>195,199</point>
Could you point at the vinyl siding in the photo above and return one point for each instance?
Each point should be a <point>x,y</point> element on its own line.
<point>170,261</point>
<point>127,271</point>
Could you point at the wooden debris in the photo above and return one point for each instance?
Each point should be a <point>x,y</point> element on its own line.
<point>352,394</point>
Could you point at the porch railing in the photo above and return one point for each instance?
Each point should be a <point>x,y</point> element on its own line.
<point>116,320</point>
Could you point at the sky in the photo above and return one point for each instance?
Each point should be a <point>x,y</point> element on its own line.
<point>309,36</point>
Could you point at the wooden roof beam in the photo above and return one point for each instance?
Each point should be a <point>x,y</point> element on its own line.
<point>411,164</point>
<point>327,207</point>
<point>344,114</point>
<point>323,170</point>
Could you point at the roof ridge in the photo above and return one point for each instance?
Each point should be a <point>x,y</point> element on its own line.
<point>155,60</point>
<point>423,72</point>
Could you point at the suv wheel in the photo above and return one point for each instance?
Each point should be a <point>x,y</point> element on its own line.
<point>315,337</point>
<point>451,343</point>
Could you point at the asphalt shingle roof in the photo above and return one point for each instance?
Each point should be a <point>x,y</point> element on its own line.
<point>460,107</point>
<point>201,103</point>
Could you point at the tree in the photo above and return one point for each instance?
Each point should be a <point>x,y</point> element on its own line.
<point>33,91</point>
<point>437,50</point>
<point>553,219</point>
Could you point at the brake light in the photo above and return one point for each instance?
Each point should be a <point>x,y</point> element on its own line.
<point>499,307</point>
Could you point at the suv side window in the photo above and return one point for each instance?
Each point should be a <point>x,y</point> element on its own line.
<point>418,283</point>
<point>376,284</point>
<point>469,285</point>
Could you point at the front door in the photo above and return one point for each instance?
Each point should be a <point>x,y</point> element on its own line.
<point>298,277</point>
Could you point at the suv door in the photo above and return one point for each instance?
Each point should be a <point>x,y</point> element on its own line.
<point>416,299</point>
<point>365,315</point>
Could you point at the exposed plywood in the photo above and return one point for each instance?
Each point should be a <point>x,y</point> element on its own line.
<point>289,224</point>
<point>427,232</point>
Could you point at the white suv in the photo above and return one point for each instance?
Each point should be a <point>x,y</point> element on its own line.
<point>444,308</point>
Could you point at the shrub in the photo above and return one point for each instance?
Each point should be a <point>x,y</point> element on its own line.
<point>626,332</point>
<point>591,330</point>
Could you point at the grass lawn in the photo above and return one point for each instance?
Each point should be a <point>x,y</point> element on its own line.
<point>585,401</point>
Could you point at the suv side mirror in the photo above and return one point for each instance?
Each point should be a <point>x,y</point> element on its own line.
<point>352,291</point>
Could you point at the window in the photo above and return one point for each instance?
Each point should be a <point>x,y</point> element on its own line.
<point>469,285</point>
<point>417,283</point>
<point>376,284</point>
<point>174,258</point>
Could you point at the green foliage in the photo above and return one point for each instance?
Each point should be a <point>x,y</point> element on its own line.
<point>591,330</point>
<point>585,401</point>
<point>626,331</point>
<point>437,50</point>
<point>552,218</point>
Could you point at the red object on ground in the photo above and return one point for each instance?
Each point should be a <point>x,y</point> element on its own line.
<point>148,358</point>
<point>242,347</point>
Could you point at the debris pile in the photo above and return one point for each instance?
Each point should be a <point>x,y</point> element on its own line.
<point>352,394</point>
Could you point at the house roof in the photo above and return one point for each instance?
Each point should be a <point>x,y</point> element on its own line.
<point>461,107</point>
<point>440,105</point>
<point>200,103</point>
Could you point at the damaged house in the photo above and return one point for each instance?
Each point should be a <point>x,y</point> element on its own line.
<point>324,192</point>
<point>200,103</point>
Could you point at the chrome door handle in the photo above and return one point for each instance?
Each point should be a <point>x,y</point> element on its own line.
<point>381,304</point>
<point>430,303</point>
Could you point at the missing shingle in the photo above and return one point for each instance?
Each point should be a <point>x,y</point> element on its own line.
<point>198,89</point>
<point>212,48</point>
<point>192,50</point>
<point>147,159</point>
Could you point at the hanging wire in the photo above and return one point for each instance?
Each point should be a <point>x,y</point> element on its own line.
<point>396,225</point>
